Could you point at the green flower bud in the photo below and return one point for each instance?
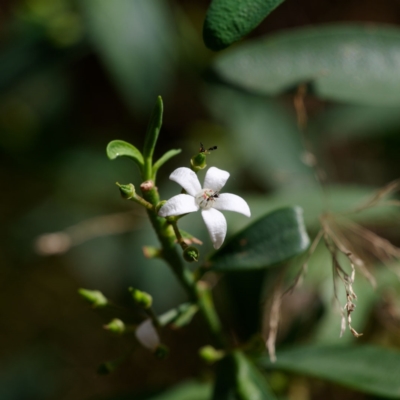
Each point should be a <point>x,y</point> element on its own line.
<point>141,298</point>
<point>210,355</point>
<point>115,326</point>
<point>106,368</point>
<point>198,161</point>
<point>161,352</point>
<point>191,254</point>
<point>127,191</point>
<point>94,297</point>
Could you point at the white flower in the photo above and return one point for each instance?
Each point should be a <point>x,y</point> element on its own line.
<point>208,199</point>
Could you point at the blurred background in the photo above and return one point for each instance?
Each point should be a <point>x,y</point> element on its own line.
<point>75,75</point>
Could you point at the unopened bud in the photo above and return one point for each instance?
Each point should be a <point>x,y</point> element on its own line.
<point>94,297</point>
<point>161,352</point>
<point>191,254</point>
<point>198,162</point>
<point>210,355</point>
<point>127,191</point>
<point>143,299</point>
<point>106,368</point>
<point>115,326</point>
<point>146,186</point>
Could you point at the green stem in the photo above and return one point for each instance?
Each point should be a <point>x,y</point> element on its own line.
<point>148,168</point>
<point>178,235</point>
<point>196,292</point>
<point>142,202</point>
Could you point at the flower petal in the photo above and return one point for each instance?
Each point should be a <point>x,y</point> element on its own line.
<point>147,335</point>
<point>187,179</point>
<point>178,205</point>
<point>231,202</point>
<point>216,226</point>
<point>215,179</point>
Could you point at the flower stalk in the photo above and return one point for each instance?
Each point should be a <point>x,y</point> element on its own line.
<point>128,192</point>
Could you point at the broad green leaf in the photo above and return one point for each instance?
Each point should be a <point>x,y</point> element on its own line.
<point>366,368</point>
<point>153,129</point>
<point>163,159</point>
<point>272,239</point>
<point>352,63</point>
<point>227,21</point>
<point>239,379</point>
<point>119,148</point>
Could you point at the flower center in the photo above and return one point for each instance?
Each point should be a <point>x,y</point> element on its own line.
<point>206,198</point>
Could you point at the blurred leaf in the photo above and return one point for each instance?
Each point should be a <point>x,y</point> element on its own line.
<point>344,122</point>
<point>163,159</point>
<point>244,294</point>
<point>272,239</point>
<point>119,148</point>
<point>272,147</point>
<point>315,201</point>
<point>179,316</point>
<point>239,379</point>
<point>153,129</point>
<point>136,41</point>
<point>353,63</point>
<point>227,21</point>
<point>369,369</point>
<point>189,390</point>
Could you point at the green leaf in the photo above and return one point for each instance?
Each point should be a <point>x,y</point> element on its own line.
<point>369,369</point>
<point>136,41</point>
<point>345,121</point>
<point>189,390</point>
<point>272,239</point>
<point>153,129</point>
<point>166,157</point>
<point>314,202</point>
<point>239,379</point>
<point>227,21</point>
<point>179,316</point>
<point>352,63</point>
<point>119,148</point>
<point>272,140</point>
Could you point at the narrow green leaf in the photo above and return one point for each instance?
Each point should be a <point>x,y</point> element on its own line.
<point>238,378</point>
<point>369,369</point>
<point>272,239</point>
<point>166,157</point>
<point>353,63</point>
<point>227,21</point>
<point>119,148</point>
<point>153,129</point>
